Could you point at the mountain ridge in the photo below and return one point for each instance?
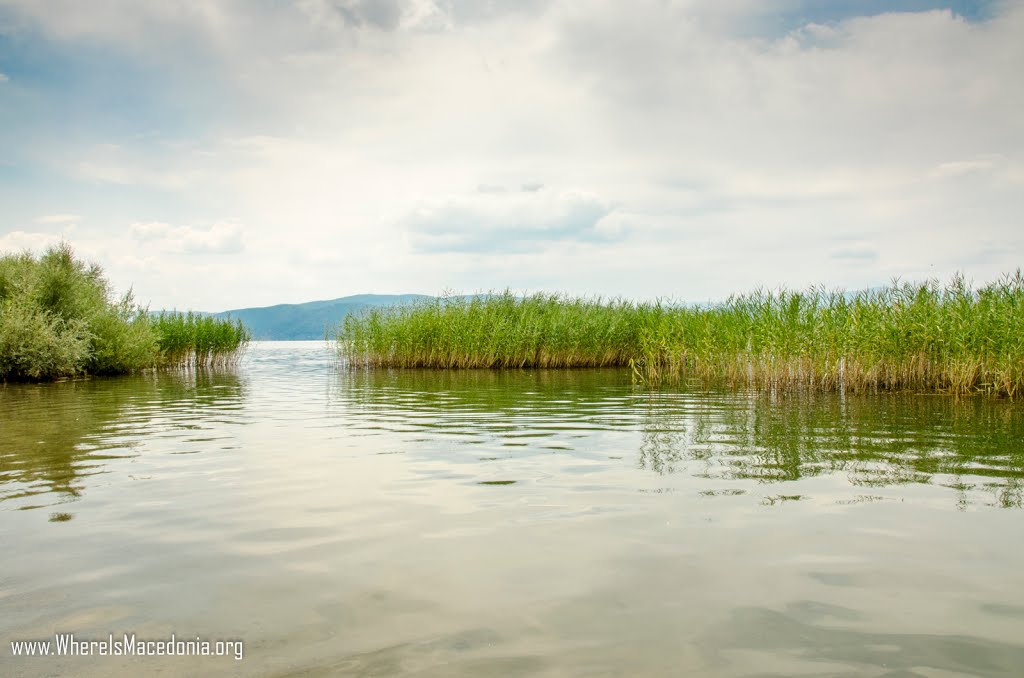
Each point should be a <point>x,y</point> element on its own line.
<point>311,319</point>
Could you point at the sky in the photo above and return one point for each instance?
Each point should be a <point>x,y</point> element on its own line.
<point>236,153</point>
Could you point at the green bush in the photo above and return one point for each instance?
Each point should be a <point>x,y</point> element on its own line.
<point>58,318</point>
<point>35,344</point>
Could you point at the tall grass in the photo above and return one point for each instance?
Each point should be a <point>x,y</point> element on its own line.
<point>906,336</point>
<point>197,339</point>
<point>497,330</point>
<point>58,318</point>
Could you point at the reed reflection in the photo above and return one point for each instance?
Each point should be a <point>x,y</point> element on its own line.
<point>512,403</point>
<point>973,446</point>
<point>57,435</point>
<point>967,445</point>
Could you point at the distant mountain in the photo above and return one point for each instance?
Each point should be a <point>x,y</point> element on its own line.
<point>308,320</point>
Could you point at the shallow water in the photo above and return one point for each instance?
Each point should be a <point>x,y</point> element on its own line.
<point>541,523</point>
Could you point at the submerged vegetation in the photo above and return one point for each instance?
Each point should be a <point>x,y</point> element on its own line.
<point>925,336</point>
<point>58,318</point>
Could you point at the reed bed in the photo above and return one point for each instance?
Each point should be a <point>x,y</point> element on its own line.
<point>907,336</point>
<point>496,331</point>
<point>198,340</point>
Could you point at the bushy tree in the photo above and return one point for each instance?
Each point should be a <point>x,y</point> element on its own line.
<point>58,318</point>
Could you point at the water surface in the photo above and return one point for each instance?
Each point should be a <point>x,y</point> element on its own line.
<point>541,523</point>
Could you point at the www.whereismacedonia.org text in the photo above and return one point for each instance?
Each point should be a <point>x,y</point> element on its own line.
<point>67,645</point>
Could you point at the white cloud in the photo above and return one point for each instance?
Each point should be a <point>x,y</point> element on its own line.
<point>164,171</point>
<point>348,138</point>
<point>493,220</point>
<point>149,231</point>
<point>223,237</point>
<point>3,78</point>
<point>57,219</point>
<point>959,168</point>
<point>20,241</point>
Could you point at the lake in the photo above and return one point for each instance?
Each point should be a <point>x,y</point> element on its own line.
<point>519,523</point>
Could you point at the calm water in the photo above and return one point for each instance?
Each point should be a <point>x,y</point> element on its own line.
<point>559,523</point>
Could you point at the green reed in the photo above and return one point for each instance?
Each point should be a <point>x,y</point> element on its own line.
<point>195,339</point>
<point>923,336</point>
<point>906,336</point>
<point>498,330</point>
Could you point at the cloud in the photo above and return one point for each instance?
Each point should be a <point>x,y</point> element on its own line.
<point>380,14</point>
<point>855,254</point>
<point>162,169</point>
<point>57,218</point>
<point>497,221</point>
<point>19,241</point>
<point>722,145</point>
<point>223,237</point>
<point>953,169</point>
<point>991,164</point>
<point>150,231</point>
<point>3,78</point>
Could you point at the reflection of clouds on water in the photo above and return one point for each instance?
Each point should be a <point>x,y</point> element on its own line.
<point>807,634</point>
<point>57,435</point>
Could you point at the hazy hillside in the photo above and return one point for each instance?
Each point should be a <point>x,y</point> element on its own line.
<point>308,320</point>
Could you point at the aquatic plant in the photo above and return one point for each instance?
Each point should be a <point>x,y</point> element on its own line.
<point>496,330</point>
<point>920,336</point>
<point>197,339</point>
<point>905,336</point>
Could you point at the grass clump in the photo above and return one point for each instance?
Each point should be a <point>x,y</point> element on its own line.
<point>197,339</point>
<point>498,330</point>
<point>923,336</point>
<point>58,318</point>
